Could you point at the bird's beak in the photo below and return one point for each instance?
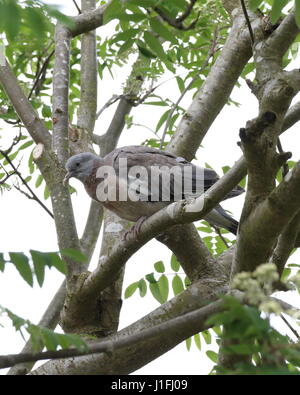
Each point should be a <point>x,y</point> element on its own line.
<point>67,177</point>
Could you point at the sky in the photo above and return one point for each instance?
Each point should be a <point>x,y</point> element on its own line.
<point>25,226</point>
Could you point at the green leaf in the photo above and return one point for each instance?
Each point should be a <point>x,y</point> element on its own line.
<point>56,14</point>
<point>126,46</point>
<point>163,284</point>
<point>142,287</point>
<point>144,51</point>
<point>240,349</point>
<point>31,164</point>
<point>150,278</point>
<point>162,120</point>
<point>21,263</point>
<point>177,285</point>
<point>159,267</point>
<point>188,343</point>
<point>175,265</point>
<point>54,260</point>
<point>2,262</point>
<point>17,321</point>
<point>39,266</point>
<point>180,84</point>
<point>207,336</point>
<point>155,45</point>
<point>39,181</point>
<point>197,341</point>
<point>278,5</point>
<point>142,3</point>
<point>46,111</point>
<point>130,290</point>
<point>137,17</point>
<point>111,10</point>
<point>68,340</point>
<point>36,20</point>
<point>213,356</point>
<point>36,339</point>
<point>12,18</point>
<point>50,339</point>
<point>25,145</point>
<point>124,36</point>
<point>76,255</point>
<point>46,192</point>
<point>161,30</point>
<point>254,4</point>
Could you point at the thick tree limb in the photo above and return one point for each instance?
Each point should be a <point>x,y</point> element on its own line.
<point>88,77</point>
<point>60,141</point>
<point>86,124</point>
<point>53,174</point>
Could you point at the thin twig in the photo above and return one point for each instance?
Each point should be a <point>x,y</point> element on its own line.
<point>187,11</point>
<point>177,22</point>
<point>8,175</point>
<point>111,101</point>
<point>41,71</point>
<point>247,21</point>
<point>34,196</point>
<point>77,7</point>
<point>217,230</point>
<point>290,326</point>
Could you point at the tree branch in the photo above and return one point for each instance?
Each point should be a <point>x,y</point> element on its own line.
<point>60,141</point>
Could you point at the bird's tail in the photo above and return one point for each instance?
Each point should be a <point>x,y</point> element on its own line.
<point>219,217</point>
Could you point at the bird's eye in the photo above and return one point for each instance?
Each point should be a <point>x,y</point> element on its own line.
<point>77,164</point>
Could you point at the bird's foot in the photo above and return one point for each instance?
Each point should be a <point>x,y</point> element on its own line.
<point>135,229</point>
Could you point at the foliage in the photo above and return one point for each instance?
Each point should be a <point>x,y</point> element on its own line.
<point>35,264</point>
<point>43,337</point>
<point>249,334</point>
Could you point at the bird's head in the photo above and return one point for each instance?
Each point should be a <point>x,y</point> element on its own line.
<point>80,166</point>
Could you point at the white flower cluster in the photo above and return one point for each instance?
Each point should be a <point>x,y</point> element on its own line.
<point>257,287</point>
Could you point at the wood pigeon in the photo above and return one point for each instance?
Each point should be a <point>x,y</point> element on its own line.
<point>137,181</point>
